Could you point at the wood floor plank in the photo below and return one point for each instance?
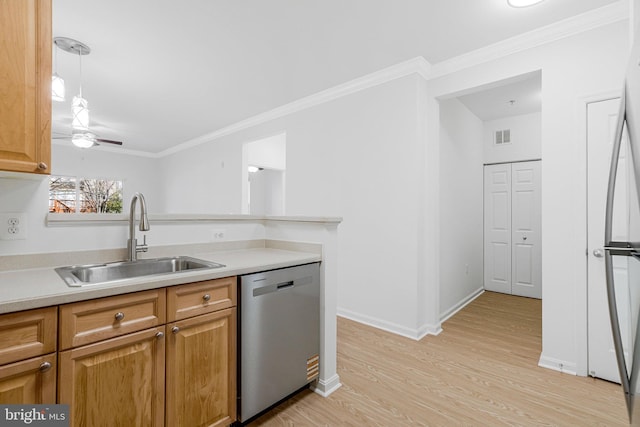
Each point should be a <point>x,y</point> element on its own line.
<point>480,371</point>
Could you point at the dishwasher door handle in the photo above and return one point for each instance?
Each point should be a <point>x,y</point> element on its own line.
<point>281,286</point>
<point>284,285</point>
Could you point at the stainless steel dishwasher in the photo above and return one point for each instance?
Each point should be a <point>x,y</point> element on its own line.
<point>279,335</point>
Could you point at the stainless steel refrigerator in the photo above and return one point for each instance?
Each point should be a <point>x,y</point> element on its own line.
<point>624,298</point>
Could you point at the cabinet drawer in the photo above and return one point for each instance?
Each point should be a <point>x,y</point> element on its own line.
<point>199,298</point>
<point>27,334</point>
<point>91,321</point>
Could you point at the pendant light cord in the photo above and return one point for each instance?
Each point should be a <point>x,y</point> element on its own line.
<point>80,56</point>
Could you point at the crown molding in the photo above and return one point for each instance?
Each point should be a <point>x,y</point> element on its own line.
<point>590,20</point>
<point>417,65</point>
<point>602,16</point>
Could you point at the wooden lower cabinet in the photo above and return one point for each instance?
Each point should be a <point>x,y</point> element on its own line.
<point>29,382</point>
<point>117,382</point>
<point>201,370</point>
<point>119,364</point>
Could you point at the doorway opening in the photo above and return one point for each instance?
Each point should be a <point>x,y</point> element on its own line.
<point>263,177</point>
<point>494,126</point>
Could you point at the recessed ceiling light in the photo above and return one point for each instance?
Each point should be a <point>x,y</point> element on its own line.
<point>523,3</point>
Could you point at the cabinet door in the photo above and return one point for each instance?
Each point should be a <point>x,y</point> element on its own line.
<point>25,85</point>
<point>201,370</point>
<point>30,382</point>
<point>118,382</point>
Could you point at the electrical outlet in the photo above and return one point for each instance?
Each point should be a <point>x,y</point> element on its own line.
<point>13,226</point>
<point>217,234</point>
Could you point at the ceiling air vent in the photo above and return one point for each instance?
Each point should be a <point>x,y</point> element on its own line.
<point>503,137</point>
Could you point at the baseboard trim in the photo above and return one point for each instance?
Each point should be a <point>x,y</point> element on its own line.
<point>461,304</point>
<point>325,387</point>
<point>415,334</point>
<point>557,365</point>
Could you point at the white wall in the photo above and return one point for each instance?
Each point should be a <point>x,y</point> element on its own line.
<point>525,139</point>
<point>204,179</point>
<point>358,157</point>
<point>139,174</point>
<point>461,202</point>
<point>32,197</point>
<point>574,68</point>
<point>634,12</point>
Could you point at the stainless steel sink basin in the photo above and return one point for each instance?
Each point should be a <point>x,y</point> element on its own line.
<point>82,275</point>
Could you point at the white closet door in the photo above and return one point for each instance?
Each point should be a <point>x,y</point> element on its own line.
<point>526,268</point>
<point>497,228</point>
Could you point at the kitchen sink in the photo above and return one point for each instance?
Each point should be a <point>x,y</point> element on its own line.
<point>83,275</point>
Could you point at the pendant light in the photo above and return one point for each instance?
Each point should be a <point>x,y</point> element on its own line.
<point>79,105</point>
<point>57,82</point>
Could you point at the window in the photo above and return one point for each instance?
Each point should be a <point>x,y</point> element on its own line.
<point>84,195</point>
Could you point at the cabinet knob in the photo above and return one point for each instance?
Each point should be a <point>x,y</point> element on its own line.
<point>42,166</point>
<point>45,366</point>
<point>159,334</point>
<point>175,329</point>
<point>119,316</point>
<point>206,297</point>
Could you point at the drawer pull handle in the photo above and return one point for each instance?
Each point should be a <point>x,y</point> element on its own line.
<point>159,334</point>
<point>119,316</point>
<point>175,329</point>
<point>42,166</point>
<point>45,366</point>
<point>206,297</point>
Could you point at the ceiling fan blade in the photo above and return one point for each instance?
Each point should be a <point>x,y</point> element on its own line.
<point>61,137</point>
<point>109,141</point>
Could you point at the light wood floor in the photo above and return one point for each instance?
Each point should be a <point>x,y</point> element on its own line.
<point>480,371</point>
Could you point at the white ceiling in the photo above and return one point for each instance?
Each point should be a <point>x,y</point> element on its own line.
<point>522,95</point>
<point>162,72</point>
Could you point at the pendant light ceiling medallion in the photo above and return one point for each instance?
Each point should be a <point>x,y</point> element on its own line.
<point>523,3</point>
<point>79,105</point>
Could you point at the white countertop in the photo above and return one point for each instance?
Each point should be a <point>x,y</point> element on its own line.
<point>42,287</point>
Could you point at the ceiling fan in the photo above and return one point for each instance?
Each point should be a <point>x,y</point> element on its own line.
<point>85,139</point>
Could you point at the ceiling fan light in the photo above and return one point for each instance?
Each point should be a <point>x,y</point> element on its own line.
<point>57,88</point>
<point>81,140</point>
<point>523,3</point>
<point>80,113</point>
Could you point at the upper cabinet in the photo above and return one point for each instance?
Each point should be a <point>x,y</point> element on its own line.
<point>25,86</point>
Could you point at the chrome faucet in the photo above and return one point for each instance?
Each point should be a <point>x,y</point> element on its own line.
<point>132,244</point>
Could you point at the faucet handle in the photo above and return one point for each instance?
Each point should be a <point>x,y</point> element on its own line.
<point>143,247</point>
